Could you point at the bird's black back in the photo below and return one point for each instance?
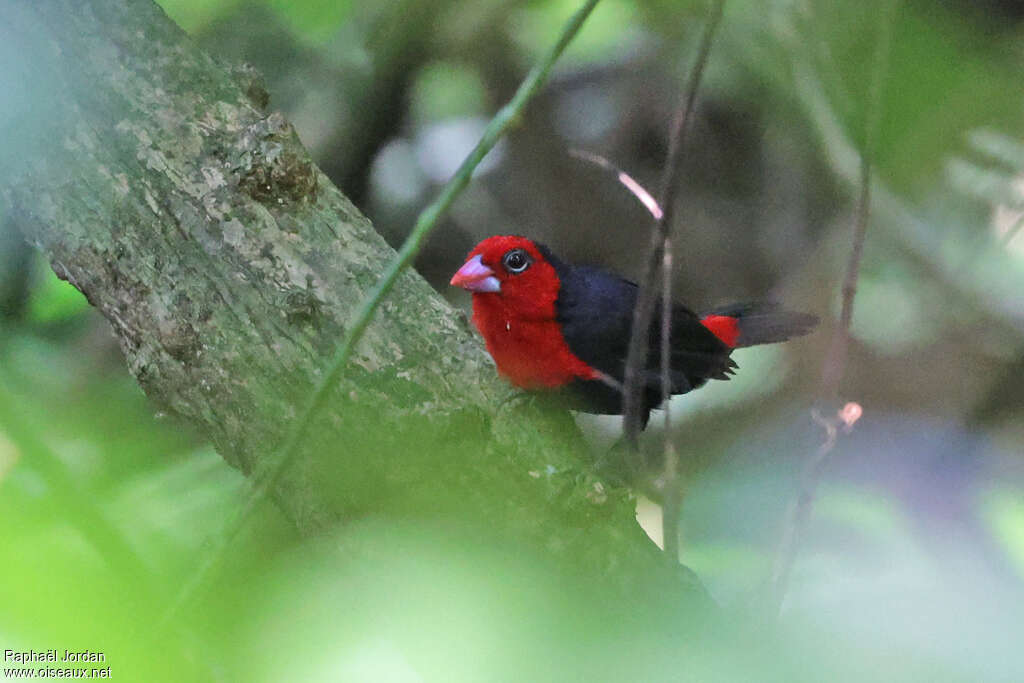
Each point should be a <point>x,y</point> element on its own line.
<point>595,311</point>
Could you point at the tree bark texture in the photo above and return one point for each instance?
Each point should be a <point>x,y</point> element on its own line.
<point>158,183</point>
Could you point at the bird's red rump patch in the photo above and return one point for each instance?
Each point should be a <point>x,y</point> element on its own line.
<point>725,328</point>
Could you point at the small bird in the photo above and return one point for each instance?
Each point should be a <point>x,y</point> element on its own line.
<point>552,326</point>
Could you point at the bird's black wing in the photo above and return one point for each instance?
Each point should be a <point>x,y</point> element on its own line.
<point>595,310</point>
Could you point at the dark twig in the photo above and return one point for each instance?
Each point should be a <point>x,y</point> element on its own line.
<point>506,117</point>
<point>835,361</point>
<point>672,500</point>
<point>636,357</point>
<point>660,249</point>
<point>799,512</point>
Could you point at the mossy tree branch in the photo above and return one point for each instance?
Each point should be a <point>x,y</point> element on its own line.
<point>157,183</point>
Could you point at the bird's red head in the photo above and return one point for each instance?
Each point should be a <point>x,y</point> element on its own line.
<point>512,273</point>
<point>515,287</point>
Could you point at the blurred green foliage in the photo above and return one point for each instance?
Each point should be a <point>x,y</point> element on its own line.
<point>536,26</point>
<point>914,566</point>
<point>1004,510</point>
<point>52,299</point>
<point>444,90</point>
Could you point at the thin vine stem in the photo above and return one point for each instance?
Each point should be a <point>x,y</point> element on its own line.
<point>672,499</point>
<point>427,221</point>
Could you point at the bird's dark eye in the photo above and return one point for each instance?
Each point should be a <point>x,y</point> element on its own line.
<point>516,261</point>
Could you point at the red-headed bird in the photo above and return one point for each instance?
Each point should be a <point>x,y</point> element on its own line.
<point>550,325</point>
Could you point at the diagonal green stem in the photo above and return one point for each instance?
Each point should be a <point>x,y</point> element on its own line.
<point>506,117</point>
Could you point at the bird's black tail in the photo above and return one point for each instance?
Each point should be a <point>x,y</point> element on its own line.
<point>764,323</point>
